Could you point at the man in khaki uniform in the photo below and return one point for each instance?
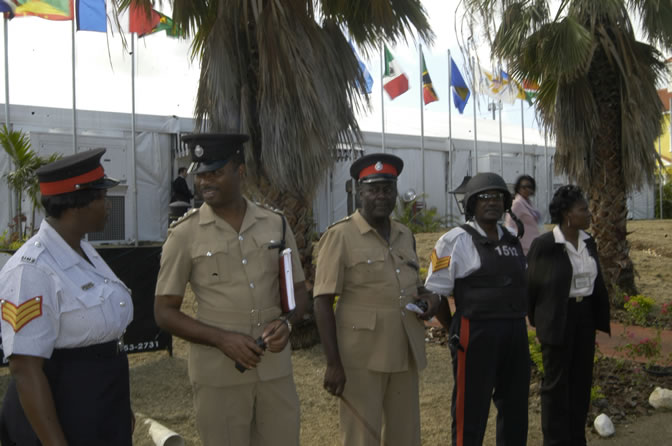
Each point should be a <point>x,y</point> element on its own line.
<point>373,340</point>
<point>227,250</point>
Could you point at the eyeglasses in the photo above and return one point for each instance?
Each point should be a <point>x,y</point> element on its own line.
<point>490,196</point>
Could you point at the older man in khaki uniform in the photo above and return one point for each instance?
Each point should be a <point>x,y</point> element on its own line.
<point>374,341</point>
<point>227,250</point>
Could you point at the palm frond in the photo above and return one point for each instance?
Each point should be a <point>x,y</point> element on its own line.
<point>655,20</point>
<point>374,21</point>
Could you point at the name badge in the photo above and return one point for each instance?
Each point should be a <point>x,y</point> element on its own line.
<point>582,281</point>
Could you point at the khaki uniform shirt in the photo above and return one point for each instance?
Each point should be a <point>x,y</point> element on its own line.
<point>374,281</point>
<point>235,277</point>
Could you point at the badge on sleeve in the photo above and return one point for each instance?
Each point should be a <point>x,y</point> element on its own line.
<point>19,316</point>
<point>439,263</point>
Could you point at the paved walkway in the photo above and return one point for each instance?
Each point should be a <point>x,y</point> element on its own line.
<point>620,336</point>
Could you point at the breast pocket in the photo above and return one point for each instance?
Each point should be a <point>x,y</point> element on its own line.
<point>210,264</point>
<point>267,251</point>
<point>367,261</point>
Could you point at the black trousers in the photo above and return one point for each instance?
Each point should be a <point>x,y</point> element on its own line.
<point>568,377</point>
<point>92,399</point>
<point>491,362</point>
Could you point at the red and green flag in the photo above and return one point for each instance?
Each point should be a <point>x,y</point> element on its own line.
<point>144,24</point>
<point>395,81</point>
<point>531,89</point>
<point>45,9</point>
<point>428,93</point>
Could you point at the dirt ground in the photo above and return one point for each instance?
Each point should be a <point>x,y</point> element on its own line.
<point>160,386</point>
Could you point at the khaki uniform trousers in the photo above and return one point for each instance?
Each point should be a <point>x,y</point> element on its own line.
<point>383,400</point>
<point>255,414</point>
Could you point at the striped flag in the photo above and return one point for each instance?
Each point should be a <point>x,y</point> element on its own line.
<point>428,93</point>
<point>45,9</point>
<point>395,81</point>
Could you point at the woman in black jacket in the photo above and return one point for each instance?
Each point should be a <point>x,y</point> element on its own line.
<point>568,302</point>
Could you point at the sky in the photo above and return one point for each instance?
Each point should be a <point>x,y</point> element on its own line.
<point>166,81</point>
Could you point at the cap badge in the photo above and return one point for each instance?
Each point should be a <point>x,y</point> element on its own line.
<point>378,166</point>
<point>198,151</point>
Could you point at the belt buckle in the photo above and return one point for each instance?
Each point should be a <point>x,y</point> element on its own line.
<point>579,299</point>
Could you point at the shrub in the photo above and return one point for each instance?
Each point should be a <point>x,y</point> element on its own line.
<point>638,308</point>
<point>416,217</point>
<point>535,351</point>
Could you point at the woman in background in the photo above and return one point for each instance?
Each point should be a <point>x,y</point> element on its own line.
<point>567,301</point>
<point>525,211</point>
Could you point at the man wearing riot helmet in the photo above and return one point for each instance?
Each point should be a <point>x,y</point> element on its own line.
<point>483,266</point>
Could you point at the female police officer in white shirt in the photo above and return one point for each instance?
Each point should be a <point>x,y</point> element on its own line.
<point>63,312</point>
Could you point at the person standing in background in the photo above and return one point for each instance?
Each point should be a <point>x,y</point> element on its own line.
<point>181,190</point>
<point>525,211</point>
<point>568,301</point>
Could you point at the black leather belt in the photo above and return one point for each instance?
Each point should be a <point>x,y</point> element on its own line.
<point>109,349</point>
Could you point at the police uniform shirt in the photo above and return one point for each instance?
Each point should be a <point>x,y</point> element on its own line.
<point>374,281</point>
<point>235,278</point>
<point>53,298</point>
<point>584,267</point>
<point>454,257</point>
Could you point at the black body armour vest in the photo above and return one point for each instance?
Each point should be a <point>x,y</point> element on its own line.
<point>497,290</point>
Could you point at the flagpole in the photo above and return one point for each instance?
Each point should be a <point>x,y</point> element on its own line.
<point>422,121</point>
<point>499,106</point>
<point>522,128</point>
<point>74,91</point>
<point>549,180</point>
<point>473,64</point>
<point>6,36</point>
<point>11,199</point>
<point>662,177</point>
<point>135,176</point>
<point>382,94</point>
<point>450,138</point>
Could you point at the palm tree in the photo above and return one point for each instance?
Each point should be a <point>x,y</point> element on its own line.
<point>23,179</point>
<point>597,95</point>
<point>284,73</point>
<point>17,146</point>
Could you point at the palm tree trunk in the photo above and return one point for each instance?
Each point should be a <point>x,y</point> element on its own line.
<point>608,200</point>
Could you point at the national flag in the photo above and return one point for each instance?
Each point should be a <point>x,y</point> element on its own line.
<point>395,81</point>
<point>428,93</point>
<point>531,89</point>
<point>500,87</point>
<point>91,15</point>
<point>512,89</point>
<point>143,24</point>
<point>7,7</point>
<point>461,92</point>
<point>45,9</point>
<point>368,79</point>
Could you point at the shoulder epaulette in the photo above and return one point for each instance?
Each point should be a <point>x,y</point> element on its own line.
<point>269,208</point>
<point>342,220</point>
<point>186,216</point>
<point>31,251</point>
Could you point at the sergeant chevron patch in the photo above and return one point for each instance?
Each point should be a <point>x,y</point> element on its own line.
<point>439,263</point>
<point>19,316</point>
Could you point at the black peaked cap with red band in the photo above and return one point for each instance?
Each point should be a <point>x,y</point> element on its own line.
<point>75,172</point>
<point>211,151</point>
<point>376,167</point>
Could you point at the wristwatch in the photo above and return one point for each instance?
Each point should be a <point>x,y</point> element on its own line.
<point>286,321</point>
